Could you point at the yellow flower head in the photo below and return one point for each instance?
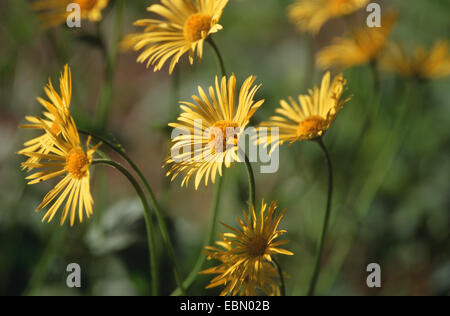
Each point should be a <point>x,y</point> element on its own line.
<point>362,46</point>
<point>208,130</point>
<point>182,27</point>
<point>246,254</point>
<point>54,12</point>
<point>420,64</point>
<point>59,152</point>
<point>310,117</point>
<point>311,15</point>
<point>56,113</point>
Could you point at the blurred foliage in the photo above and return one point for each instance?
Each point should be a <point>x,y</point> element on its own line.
<point>390,152</point>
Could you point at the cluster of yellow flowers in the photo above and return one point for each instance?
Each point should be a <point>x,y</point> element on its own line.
<point>366,44</point>
<point>182,26</point>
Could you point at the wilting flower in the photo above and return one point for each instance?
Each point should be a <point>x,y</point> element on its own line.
<point>182,27</point>
<point>246,254</point>
<point>54,12</point>
<point>362,46</point>
<point>209,130</point>
<point>59,153</point>
<point>311,15</point>
<point>310,117</point>
<point>420,64</point>
<point>56,113</point>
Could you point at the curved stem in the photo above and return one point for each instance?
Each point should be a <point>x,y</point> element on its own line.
<point>162,224</point>
<point>209,240</point>
<point>147,215</point>
<point>326,219</point>
<point>280,274</point>
<point>218,54</point>
<point>251,184</point>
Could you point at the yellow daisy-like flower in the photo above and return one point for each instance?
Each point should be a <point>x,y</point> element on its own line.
<point>65,157</point>
<point>362,46</point>
<point>310,117</point>
<point>311,15</point>
<point>54,12</point>
<point>183,27</point>
<point>56,113</point>
<point>420,64</point>
<point>246,254</point>
<point>59,152</point>
<point>208,130</point>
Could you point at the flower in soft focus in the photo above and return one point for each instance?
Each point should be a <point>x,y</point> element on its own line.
<point>56,113</point>
<point>210,130</point>
<point>362,46</point>
<point>246,254</point>
<point>182,27</point>
<point>54,12</point>
<point>310,116</point>
<point>59,152</point>
<point>419,64</point>
<point>311,15</point>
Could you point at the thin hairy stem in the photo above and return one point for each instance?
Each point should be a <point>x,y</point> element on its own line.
<point>148,219</point>
<point>159,215</point>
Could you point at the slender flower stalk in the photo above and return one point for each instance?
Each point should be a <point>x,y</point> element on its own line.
<point>162,225</point>
<point>218,55</point>
<point>316,272</point>
<point>251,183</point>
<point>148,219</point>
<point>281,276</point>
<point>309,118</point>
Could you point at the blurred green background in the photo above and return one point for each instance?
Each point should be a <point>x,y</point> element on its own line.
<point>391,203</point>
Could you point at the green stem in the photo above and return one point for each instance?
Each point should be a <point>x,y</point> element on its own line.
<point>148,219</point>
<point>162,224</point>
<point>326,219</point>
<point>251,184</point>
<point>209,240</point>
<point>218,55</point>
<point>280,274</point>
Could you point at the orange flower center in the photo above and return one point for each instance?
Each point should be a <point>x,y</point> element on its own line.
<point>311,126</point>
<point>197,26</point>
<point>257,246</point>
<point>86,4</point>
<point>77,163</point>
<point>219,133</point>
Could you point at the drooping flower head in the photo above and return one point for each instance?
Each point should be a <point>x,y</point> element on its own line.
<point>310,116</point>
<point>420,64</point>
<point>182,27</point>
<point>55,12</point>
<point>311,15</point>
<point>58,152</point>
<point>208,130</point>
<point>246,254</point>
<point>362,46</point>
